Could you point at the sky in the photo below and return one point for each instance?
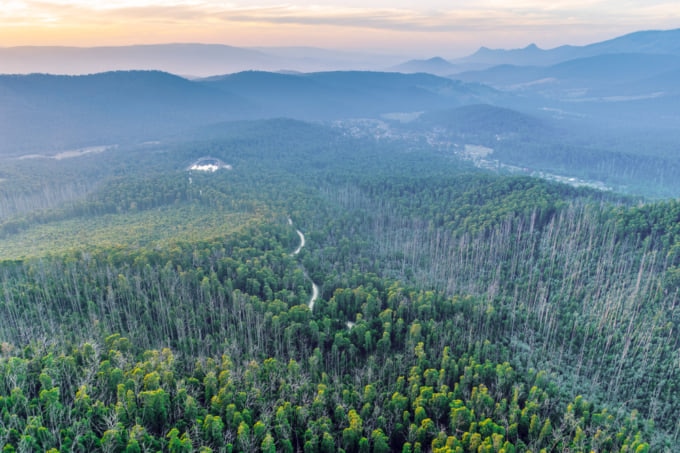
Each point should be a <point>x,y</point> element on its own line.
<point>425,27</point>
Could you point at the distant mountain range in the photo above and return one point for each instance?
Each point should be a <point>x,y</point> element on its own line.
<point>619,74</point>
<point>631,82</point>
<point>664,42</point>
<point>202,60</point>
<point>557,109</point>
<point>41,112</point>
<point>190,60</point>
<point>657,42</point>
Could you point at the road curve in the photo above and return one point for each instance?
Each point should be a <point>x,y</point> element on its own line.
<point>315,296</point>
<point>302,242</point>
<point>315,288</point>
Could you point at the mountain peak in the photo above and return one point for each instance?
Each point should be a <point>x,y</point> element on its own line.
<point>437,60</point>
<point>651,42</point>
<point>434,65</point>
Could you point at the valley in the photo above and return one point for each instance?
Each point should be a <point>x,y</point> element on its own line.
<point>356,261</point>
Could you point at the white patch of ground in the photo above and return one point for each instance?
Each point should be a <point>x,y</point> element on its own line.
<point>208,168</point>
<point>208,165</point>
<point>70,153</point>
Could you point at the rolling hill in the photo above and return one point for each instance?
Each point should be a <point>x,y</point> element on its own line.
<point>45,112</point>
<point>348,94</point>
<point>584,77</point>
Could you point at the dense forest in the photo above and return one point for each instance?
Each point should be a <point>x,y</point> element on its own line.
<point>458,310</point>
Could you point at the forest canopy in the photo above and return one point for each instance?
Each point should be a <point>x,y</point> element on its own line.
<point>148,308</point>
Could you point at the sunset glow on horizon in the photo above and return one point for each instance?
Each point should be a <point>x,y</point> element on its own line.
<point>428,27</point>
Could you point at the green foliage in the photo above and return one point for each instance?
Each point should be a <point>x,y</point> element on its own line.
<point>476,419</point>
<point>457,312</point>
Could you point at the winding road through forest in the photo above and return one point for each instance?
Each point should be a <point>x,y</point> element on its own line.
<point>315,288</point>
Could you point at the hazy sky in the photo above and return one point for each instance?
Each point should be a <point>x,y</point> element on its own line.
<point>425,27</point>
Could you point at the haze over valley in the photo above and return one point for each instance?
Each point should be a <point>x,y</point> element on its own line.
<point>605,112</point>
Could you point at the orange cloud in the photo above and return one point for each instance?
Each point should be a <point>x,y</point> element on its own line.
<point>382,24</point>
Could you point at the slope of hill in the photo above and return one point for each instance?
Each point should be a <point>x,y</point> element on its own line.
<point>45,112</point>
<point>588,75</point>
<point>347,94</point>
<point>622,94</point>
<point>600,153</point>
<point>648,41</point>
<point>484,119</point>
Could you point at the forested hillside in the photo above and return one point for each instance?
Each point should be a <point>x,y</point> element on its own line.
<point>609,120</point>
<point>152,308</point>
